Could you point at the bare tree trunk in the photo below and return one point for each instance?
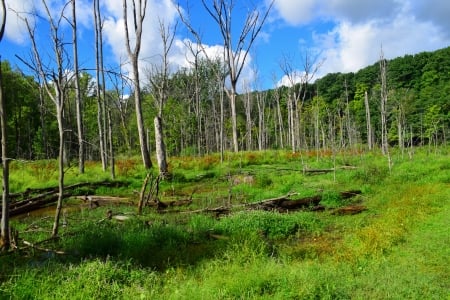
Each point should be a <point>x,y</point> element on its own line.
<point>77,92</point>
<point>234,120</point>
<point>59,116</point>
<point>4,230</point>
<point>384,98</point>
<point>347,116</point>
<point>280,121</point>
<point>291,122</point>
<point>248,120</point>
<point>401,144</point>
<point>138,17</point>
<point>159,81</point>
<point>111,146</point>
<point>260,99</point>
<point>316,128</point>
<point>58,84</point>
<point>99,71</point>
<point>222,120</point>
<point>160,148</point>
<point>368,122</point>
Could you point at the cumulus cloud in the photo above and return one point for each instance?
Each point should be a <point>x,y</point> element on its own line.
<point>350,47</point>
<point>152,48</point>
<point>359,11</point>
<point>296,12</point>
<point>16,30</point>
<point>360,28</point>
<point>291,79</point>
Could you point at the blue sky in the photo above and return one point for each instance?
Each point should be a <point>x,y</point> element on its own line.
<point>344,35</point>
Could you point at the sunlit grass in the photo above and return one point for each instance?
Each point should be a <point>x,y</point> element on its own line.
<point>396,249</point>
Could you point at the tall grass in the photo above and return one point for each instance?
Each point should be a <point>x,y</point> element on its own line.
<point>396,249</point>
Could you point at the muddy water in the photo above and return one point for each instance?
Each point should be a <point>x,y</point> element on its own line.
<point>77,205</point>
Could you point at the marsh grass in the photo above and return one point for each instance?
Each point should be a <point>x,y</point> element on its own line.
<point>396,249</point>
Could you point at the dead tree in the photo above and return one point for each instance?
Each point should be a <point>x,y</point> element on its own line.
<point>4,233</point>
<point>100,83</point>
<point>55,84</point>
<point>77,92</point>
<point>159,80</point>
<point>138,14</point>
<point>368,122</point>
<point>384,99</point>
<point>235,51</point>
<point>298,82</point>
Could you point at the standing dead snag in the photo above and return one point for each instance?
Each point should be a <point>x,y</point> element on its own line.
<point>235,51</point>
<point>4,232</point>
<point>138,14</point>
<point>55,83</point>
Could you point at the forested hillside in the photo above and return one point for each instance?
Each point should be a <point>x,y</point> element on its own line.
<point>330,113</point>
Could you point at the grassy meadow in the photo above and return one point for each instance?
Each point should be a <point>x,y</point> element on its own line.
<point>398,248</point>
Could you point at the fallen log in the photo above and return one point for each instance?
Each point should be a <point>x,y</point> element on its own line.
<point>317,171</point>
<point>48,195</point>
<point>25,195</point>
<point>322,171</point>
<point>350,194</point>
<point>349,210</point>
<point>284,204</point>
<point>29,206</point>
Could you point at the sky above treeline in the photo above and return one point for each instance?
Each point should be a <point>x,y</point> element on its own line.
<point>340,35</point>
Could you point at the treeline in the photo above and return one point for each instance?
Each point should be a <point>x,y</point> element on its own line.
<point>339,110</point>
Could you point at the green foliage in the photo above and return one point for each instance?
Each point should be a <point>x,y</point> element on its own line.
<point>268,224</point>
<point>395,249</point>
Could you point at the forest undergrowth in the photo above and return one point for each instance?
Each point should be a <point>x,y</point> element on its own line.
<point>396,248</point>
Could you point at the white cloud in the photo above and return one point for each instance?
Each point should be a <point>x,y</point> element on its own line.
<point>350,47</point>
<point>359,11</point>
<point>360,28</point>
<point>179,56</point>
<point>16,30</point>
<point>295,12</point>
<point>292,79</point>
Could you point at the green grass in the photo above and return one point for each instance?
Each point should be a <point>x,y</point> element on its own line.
<point>396,249</point>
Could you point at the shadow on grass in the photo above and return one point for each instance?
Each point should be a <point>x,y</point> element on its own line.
<point>157,246</point>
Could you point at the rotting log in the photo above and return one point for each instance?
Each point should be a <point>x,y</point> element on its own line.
<point>349,210</point>
<point>28,206</point>
<point>284,204</point>
<point>46,196</point>
<point>323,171</point>
<point>350,194</point>
<point>25,195</point>
<point>317,171</point>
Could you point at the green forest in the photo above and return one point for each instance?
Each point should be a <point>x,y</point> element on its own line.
<point>330,112</point>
